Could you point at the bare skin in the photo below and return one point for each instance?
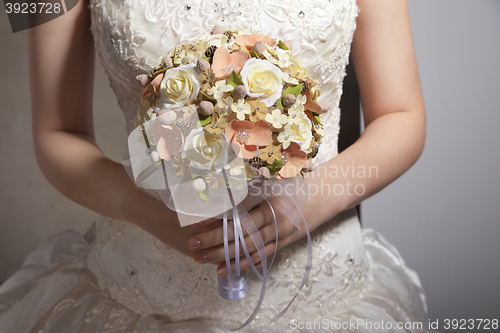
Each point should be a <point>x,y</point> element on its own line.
<point>394,114</point>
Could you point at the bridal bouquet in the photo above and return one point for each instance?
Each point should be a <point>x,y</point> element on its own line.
<point>218,116</point>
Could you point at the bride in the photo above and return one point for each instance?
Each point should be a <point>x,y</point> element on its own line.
<point>137,270</point>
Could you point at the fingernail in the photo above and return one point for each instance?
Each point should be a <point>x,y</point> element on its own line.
<point>201,258</point>
<point>194,243</point>
<point>222,271</point>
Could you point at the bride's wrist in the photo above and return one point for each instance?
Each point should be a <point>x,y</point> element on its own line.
<point>323,196</point>
<point>144,211</point>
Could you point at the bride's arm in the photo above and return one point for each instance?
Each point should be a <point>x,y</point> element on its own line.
<point>394,114</point>
<point>61,56</point>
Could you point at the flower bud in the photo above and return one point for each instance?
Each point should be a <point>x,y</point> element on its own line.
<point>264,172</point>
<point>167,62</point>
<point>259,48</point>
<point>218,29</point>
<point>143,79</point>
<point>289,100</point>
<point>206,108</point>
<point>166,116</point>
<point>325,107</point>
<point>199,185</point>
<point>202,65</point>
<point>239,92</point>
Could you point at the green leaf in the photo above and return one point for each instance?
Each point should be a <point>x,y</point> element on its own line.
<point>205,195</point>
<point>209,59</point>
<point>254,54</point>
<point>275,167</point>
<point>312,154</point>
<point>161,71</point>
<point>279,103</point>
<point>282,45</point>
<point>204,119</point>
<point>194,176</point>
<point>235,79</point>
<point>208,98</point>
<point>294,90</point>
<point>315,118</point>
<point>175,55</point>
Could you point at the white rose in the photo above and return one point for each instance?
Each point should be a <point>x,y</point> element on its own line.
<point>206,150</point>
<point>262,79</point>
<point>179,85</point>
<point>303,132</point>
<point>218,40</point>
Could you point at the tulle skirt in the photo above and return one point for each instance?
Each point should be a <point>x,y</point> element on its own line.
<point>54,292</point>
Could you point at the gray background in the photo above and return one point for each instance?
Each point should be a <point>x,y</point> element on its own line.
<point>443,215</point>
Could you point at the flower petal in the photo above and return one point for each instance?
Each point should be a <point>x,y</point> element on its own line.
<point>170,140</point>
<point>310,104</point>
<point>153,86</point>
<point>221,59</point>
<point>296,161</point>
<point>254,38</point>
<point>239,58</point>
<point>260,134</point>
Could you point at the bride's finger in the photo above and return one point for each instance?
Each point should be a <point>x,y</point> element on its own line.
<point>244,263</point>
<point>206,224</point>
<point>217,254</point>
<point>261,216</point>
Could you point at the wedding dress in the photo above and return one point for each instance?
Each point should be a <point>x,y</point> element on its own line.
<point>118,278</point>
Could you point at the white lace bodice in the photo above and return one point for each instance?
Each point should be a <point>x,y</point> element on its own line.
<point>144,274</point>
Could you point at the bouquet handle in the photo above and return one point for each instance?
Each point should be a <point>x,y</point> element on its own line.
<point>228,291</point>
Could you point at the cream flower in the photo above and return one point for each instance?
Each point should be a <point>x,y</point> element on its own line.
<point>224,106</point>
<point>190,112</point>
<point>219,89</point>
<point>296,109</point>
<point>301,101</point>
<point>178,86</point>
<point>215,180</point>
<point>284,58</point>
<point>241,109</point>
<point>218,40</point>
<point>262,79</point>
<point>236,183</point>
<point>186,57</point>
<point>303,132</point>
<point>297,65</point>
<point>319,129</point>
<point>276,118</point>
<point>250,172</point>
<point>287,136</point>
<point>288,79</point>
<point>236,167</point>
<point>206,150</point>
<point>293,117</point>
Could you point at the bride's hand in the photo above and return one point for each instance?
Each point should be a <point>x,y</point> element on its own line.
<point>209,244</point>
<point>163,224</point>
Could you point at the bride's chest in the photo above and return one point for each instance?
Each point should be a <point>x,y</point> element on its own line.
<point>141,30</point>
